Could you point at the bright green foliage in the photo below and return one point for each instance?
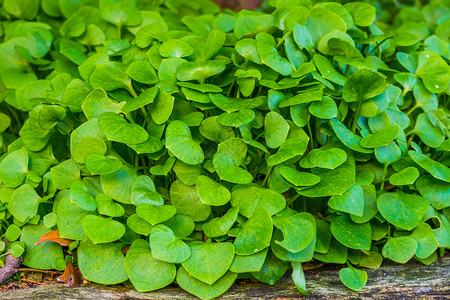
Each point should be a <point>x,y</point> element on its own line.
<point>210,143</point>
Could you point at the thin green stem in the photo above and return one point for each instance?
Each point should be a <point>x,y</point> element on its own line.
<point>266,179</point>
<point>384,176</point>
<point>280,41</point>
<point>412,109</point>
<point>376,47</point>
<point>355,119</point>
<point>310,136</point>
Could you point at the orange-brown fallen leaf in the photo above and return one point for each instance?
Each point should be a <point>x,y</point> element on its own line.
<point>53,236</point>
<point>71,276</point>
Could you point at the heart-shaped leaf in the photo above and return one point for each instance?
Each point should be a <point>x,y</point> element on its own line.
<point>102,230</point>
<point>209,261</point>
<point>211,192</point>
<point>117,129</point>
<point>167,247</point>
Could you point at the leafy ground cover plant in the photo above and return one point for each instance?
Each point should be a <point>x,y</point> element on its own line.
<point>169,141</point>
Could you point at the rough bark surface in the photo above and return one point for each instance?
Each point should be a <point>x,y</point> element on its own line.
<point>391,281</point>
<point>11,265</point>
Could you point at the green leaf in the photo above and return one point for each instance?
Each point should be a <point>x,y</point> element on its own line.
<point>139,225</point>
<point>353,278</point>
<point>102,230</point>
<point>332,182</point>
<point>103,263</point>
<point>303,97</point>
<point>236,119</point>
<point>434,190</point>
<point>256,233</point>
<point>302,37</point>
<point>42,255</point>
<point>155,214</point>
<point>122,12</point>
<point>12,233</point>
<point>179,141</point>
<point>350,234</point>
<point>203,290</point>
<point>69,217</point>
<point>228,160</point>
<point>347,137</point>
<point>166,246</point>
<point>117,129</point>
<point>406,176</point>
<point>430,134</point>
<point>322,21</point>
<point>327,158</point>
<point>200,70</point>
<point>248,263</point>
<point>24,203</point>
<point>251,196</point>
<point>108,207</point>
<point>98,164</point>
<point>248,23</point>
<point>427,242</point>
<point>143,72</point>
<point>211,192</point>
<point>362,85</point>
<point>143,191</point>
<point>434,71</point>
<point>209,261</point>
<point>98,102</point>
<point>14,168</point>
<point>298,276</point>
<point>175,48</point>
<point>212,130</point>
<point>145,98</point>
<point>402,210</point>
<point>110,76</point>
<point>80,195</point>
<point>276,129</point>
<point>363,14</point>
<point>86,146</point>
<point>382,137</point>
<point>325,109</point>
<point>247,49</point>
<point>187,201</point>
<point>118,185</point>
<point>220,226</point>
<point>270,57</point>
<point>272,270</point>
<point>400,249</point>
<point>298,178</point>
<point>298,230</point>
<point>145,272</point>
<point>352,201</point>
<point>435,168</point>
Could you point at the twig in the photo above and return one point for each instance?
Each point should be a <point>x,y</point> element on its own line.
<point>37,270</point>
<point>31,281</point>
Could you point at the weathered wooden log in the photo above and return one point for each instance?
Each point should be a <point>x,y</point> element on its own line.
<point>391,281</point>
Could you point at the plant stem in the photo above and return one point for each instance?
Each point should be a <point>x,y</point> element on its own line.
<point>384,176</point>
<point>280,41</point>
<point>355,120</point>
<point>266,179</point>
<point>311,136</point>
<point>412,109</point>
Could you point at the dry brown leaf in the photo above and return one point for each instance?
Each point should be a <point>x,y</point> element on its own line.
<point>54,237</point>
<point>71,276</point>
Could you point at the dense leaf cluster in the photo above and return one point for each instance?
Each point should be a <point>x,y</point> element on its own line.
<point>209,145</point>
